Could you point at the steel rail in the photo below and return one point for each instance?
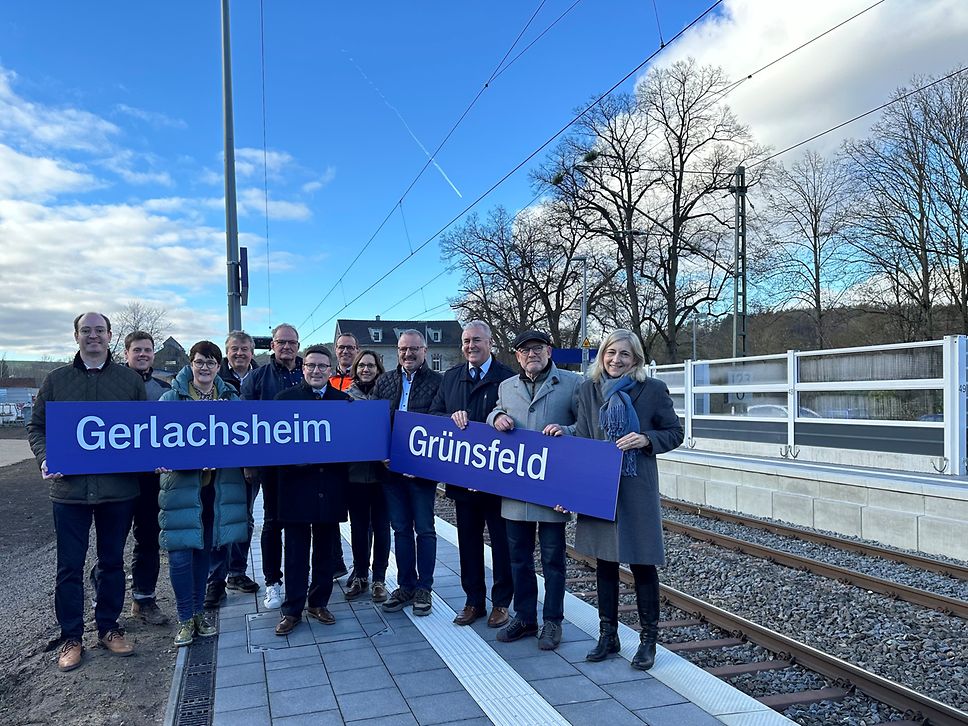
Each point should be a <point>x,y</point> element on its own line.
<point>950,569</point>
<point>922,707</point>
<point>917,596</point>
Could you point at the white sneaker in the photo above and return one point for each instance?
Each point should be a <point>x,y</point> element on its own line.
<point>273,598</point>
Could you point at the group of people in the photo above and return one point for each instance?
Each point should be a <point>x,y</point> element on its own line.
<point>204,518</point>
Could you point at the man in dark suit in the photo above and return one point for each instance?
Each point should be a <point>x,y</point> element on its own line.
<point>312,502</point>
<point>468,392</point>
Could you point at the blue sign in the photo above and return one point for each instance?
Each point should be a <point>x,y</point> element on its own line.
<point>92,437</point>
<point>582,475</point>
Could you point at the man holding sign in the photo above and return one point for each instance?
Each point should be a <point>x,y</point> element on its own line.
<point>543,399</point>
<point>107,499</point>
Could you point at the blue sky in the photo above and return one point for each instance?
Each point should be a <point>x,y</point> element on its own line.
<point>111,136</point>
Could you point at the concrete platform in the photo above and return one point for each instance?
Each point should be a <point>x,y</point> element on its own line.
<point>13,451</point>
<point>373,667</point>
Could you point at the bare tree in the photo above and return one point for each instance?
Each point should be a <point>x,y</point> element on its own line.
<point>135,315</point>
<point>807,259</point>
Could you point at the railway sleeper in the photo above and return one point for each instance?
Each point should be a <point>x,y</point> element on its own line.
<point>692,645</point>
<point>782,701</point>
<point>738,669</point>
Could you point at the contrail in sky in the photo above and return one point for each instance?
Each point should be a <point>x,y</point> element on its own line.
<point>404,122</point>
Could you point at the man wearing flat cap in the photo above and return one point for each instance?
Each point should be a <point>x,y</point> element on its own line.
<point>543,399</point>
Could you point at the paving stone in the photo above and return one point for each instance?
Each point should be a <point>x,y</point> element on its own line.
<point>232,639</point>
<point>302,635</point>
<point>485,721</point>
<point>303,651</point>
<point>595,713</point>
<point>343,646</point>
<point>237,656</point>
<point>612,670</point>
<point>372,704</point>
<point>230,625</point>
<point>361,679</point>
<point>287,679</point>
<point>360,657</point>
<point>266,620</point>
<point>571,633</point>
<point>251,717</point>
<point>397,719</point>
<point>235,698</point>
<point>575,652</point>
<point>316,718</point>
<point>266,637</point>
<point>570,689</point>
<point>643,694</point>
<point>400,647</point>
<point>302,700</point>
<point>544,665</point>
<point>375,628</point>
<point>443,707</point>
<point>680,714</point>
<point>398,637</point>
<point>427,683</point>
<point>413,661</point>
<point>239,675</point>
<point>305,662</point>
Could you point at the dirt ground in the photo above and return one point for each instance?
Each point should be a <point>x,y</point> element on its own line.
<point>106,689</point>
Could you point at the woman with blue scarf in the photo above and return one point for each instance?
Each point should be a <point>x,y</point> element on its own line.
<point>620,402</point>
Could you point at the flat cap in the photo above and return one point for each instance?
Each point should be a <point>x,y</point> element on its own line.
<point>525,335</point>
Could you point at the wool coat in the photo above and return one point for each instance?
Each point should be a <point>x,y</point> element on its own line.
<point>635,537</point>
<point>555,401</point>
<point>180,493</point>
<point>311,493</point>
<point>73,382</point>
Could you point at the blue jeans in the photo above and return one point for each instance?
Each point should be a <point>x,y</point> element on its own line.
<point>410,503</point>
<point>72,524</point>
<point>188,569</point>
<point>551,536</point>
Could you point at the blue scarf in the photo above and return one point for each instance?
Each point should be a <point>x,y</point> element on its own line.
<point>617,415</point>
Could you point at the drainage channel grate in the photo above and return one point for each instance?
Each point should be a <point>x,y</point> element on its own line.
<point>196,694</point>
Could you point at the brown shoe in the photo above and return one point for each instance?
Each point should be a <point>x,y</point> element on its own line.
<point>357,587</point>
<point>70,655</point>
<point>379,591</point>
<point>469,614</point>
<point>116,643</point>
<point>499,617</point>
<point>287,624</point>
<point>147,611</point>
<point>323,615</point>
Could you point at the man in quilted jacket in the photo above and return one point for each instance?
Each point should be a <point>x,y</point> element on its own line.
<point>107,499</point>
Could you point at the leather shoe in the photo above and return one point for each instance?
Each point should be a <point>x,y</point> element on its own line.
<point>287,624</point>
<point>115,642</point>
<point>70,655</point>
<point>499,617</point>
<point>323,615</point>
<point>469,614</point>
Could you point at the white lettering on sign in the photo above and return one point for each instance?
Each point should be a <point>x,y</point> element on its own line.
<point>493,457</point>
<point>92,434</point>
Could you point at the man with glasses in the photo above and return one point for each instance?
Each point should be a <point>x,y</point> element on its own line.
<point>411,386</point>
<point>341,378</point>
<point>284,370</point>
<point>311,506</point>
<point>229,563</point>
<point>468,392</point>
<point>106,499</point>
<point>543,399</point>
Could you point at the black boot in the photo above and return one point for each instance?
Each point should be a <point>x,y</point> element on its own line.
<point>647,602</point>
<point>607,642</point>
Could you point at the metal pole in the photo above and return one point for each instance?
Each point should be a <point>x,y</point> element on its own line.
<point>584,314</point>
<point>739,263</point>
<point>231,211</point>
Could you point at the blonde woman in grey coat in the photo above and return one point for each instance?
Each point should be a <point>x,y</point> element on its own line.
<point>542,399</point>
<point>620,403</point>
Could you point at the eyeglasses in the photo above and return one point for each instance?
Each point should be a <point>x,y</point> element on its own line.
<point>345,347</point>
<point>529,349</point>
<point>204,363</point>
<point>316,366</point>
<point>366,365</point>
<point>410,349</point>
<point>281,343</point>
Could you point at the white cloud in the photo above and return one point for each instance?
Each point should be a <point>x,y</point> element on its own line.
<point>249,162</point>
<point>123,161</point>
<point>38,178</point>
<point>43,127</point>
<point>849,71</point>
<point>251,202</point>
<point>317,184</point>
<point>154,118</point>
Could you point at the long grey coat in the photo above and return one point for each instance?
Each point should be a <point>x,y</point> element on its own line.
<point>554,402</point>
<point>635,537</point>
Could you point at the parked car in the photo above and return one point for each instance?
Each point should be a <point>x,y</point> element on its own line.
<point>773,410</point>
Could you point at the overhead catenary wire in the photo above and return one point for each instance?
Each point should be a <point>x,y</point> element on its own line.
<point>265,155</point>
<point>520,164</point>
<point>498,70</point>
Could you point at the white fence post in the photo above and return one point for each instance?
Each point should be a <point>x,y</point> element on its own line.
<point>688,402</point>
<point>793,405</point>
<point>955,416</point>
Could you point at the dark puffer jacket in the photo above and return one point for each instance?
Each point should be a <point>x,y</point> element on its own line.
<point>389,387</point>
<point>74,382</point>
<point>180,498</point>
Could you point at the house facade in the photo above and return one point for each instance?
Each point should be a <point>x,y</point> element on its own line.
<point>380,336</point>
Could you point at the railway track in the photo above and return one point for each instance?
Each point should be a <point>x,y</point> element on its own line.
<point>848,678</point>
<point>951,569</point>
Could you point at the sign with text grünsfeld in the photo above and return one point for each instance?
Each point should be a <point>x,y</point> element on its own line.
<point>89,437</point>
<point>582,475</point>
